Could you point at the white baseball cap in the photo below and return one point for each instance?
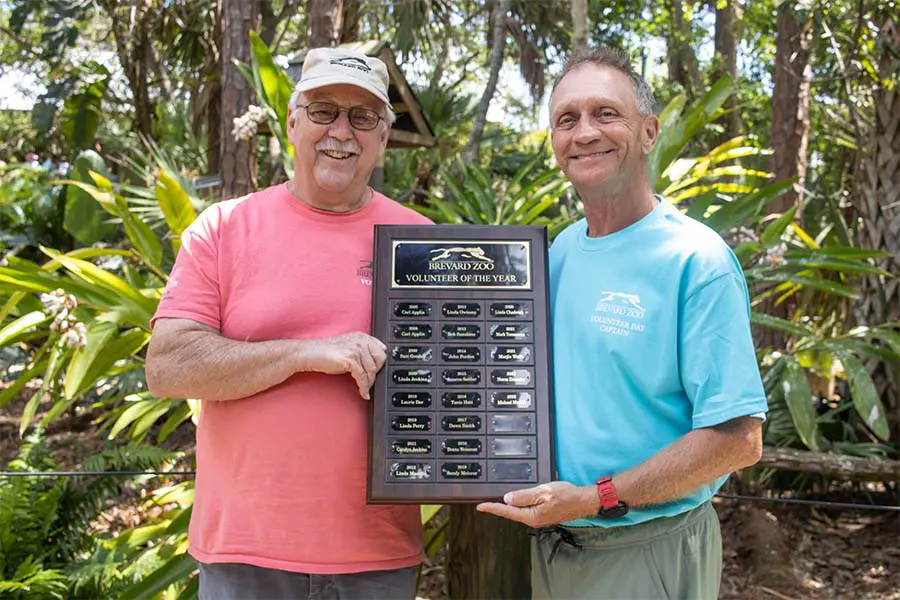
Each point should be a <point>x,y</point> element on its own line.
<point>334,66</point>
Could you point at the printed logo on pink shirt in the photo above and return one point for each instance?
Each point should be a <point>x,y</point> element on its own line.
<point>364,272</point>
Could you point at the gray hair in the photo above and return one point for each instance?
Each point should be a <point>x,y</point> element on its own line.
<point>387,114</point>
<point>610,57</point>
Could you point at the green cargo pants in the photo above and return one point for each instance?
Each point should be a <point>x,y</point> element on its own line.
<point>670,558</point>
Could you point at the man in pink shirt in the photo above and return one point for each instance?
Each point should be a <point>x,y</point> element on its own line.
<point>264,319</point>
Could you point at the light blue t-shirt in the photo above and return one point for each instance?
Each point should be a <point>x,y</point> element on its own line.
<point>651,339</point>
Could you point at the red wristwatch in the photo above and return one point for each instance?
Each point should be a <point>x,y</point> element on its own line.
<point>610,505</point>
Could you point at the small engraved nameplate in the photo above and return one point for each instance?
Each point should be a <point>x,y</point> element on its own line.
<point>511,354</point>
<point>412,447</point>
<point>509,332</point>
<point>512,423</point>
<point>461,447</point>
<point>411,399</point>
<point>411,376</point>
<point>412,332</point>
<point>412,353</point>
<point>503,446</point>
<point>411,423</point>
<point>461,471</point>
<point>511,471</point>
<point>460,354</point>
<point>461,423</point>
<point>469,310</point>
<point>412,309</point>
<point>461,332</point>
<point>511,377</point>
<point>408,470</point>
<point>461,399</point>
<point>510,309</point>
<point>461,376</point>
<point>511,399</point>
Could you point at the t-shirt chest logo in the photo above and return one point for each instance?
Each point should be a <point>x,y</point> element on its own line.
<point>619,313</point>
<point>364,271</point>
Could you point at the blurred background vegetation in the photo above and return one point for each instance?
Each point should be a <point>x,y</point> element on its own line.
<point>120,122</point>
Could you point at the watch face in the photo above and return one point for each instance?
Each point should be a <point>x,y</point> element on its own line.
<point>619,510</point>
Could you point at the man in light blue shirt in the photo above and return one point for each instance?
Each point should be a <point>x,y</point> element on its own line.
<point>657,391</point>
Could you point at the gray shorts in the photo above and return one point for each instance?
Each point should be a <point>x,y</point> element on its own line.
<point>233,581</point>
<point>670,558</point>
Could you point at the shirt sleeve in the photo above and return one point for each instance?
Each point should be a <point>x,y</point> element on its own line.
<point>717,359</point>
<point>193,291</point>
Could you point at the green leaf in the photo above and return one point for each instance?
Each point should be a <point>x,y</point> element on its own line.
<point>82,359</point>
<point>85,219</point>
<point>126,345</point>
<point>178,416</point>
<point>429,510</point>
<point>798,396</point>
<point>22,324</point>
<point>93,274</point>
<point>772,235</point>
<point>176,570</point>
<point>738,212</point>
<point>176,206</point>
<point>275,83</point>
<point>21,381</point>
<point>139,407</point>
<point>143,238</point>
<point>865,397</point>
<point>82,111</point>
<point>779,324</point>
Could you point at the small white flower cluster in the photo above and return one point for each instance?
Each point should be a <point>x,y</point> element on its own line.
<point>775,255</point>
<point>246,125</point>
<point>61,306</point>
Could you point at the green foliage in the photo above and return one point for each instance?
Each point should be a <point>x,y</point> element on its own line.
<point>32,209</point>
<point>273,88</point>
<point>530,197</point>
<point>81,110</point>
<point>112,304</point>
<point>783,264</point>
<point>84,219</point>
<point>44,523</point>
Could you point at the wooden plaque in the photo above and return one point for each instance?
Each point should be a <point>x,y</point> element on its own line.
<point>462,410</point>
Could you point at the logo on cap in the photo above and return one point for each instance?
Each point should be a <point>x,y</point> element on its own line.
<point>351,62</point>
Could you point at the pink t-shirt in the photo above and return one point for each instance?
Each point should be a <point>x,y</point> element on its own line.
<point>281,475</point>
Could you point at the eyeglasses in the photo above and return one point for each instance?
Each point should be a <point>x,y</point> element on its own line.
<point>325,113</point>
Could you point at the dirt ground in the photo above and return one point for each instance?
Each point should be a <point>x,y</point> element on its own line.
<point>771,551</point>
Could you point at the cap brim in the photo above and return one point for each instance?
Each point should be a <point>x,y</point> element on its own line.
<point>320,82</point>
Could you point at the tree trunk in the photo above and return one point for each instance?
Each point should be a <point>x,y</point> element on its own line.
<point>727,37</point>
<point>878,204</point>
<point>323,19</point>
<point>212,73</point>
<point>579,24</point>
<point>350,21</point>
<point>489,556</point>
<point>131,38</point>
<point>498,37</point>
<point>790,105</point>
<point>237,160</point>
<point>683,65</point>
<point>835,466</point>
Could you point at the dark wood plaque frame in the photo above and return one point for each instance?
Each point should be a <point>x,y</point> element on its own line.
<point>426,474</point>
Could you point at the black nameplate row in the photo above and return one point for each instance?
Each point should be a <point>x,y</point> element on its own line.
<point>462,410</point>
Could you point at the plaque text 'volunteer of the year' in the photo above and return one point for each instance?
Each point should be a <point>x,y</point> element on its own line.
<point>462,410</point>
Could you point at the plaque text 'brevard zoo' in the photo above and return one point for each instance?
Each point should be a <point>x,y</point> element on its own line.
<point>478,265</point>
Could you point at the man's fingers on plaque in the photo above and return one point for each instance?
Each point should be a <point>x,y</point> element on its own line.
<point>362,380</point>
<point>369,365</point>
<point>378,353</point>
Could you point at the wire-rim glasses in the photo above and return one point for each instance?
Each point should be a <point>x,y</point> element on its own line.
<point>325,113</point>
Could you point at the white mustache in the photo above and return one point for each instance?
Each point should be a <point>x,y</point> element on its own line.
<point>333,145</point>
